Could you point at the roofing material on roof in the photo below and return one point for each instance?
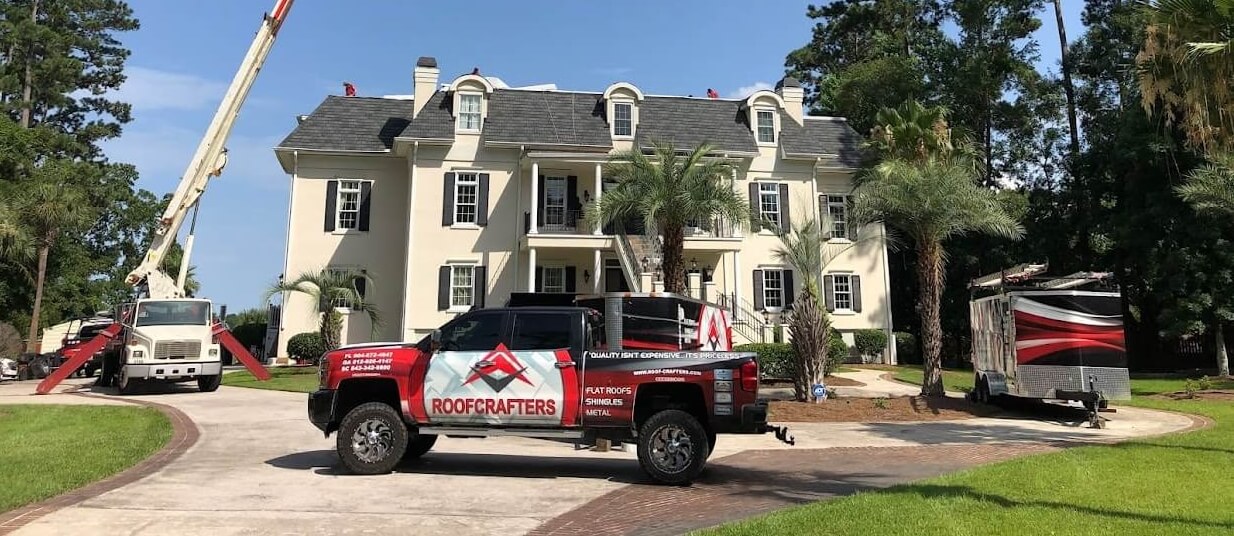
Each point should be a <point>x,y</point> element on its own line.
<point>351,124</point>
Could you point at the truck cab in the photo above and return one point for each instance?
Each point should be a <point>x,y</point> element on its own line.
<point>164,340</point>
<point>548,372</point>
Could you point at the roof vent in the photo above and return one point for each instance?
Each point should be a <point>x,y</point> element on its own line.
<point>300,119</point>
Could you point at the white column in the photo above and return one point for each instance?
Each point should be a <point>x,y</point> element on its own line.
<point>595,272</point>
<point>599,190</point>
<point>737,276</point>
<point>535,204</point>
<point>531,269</point>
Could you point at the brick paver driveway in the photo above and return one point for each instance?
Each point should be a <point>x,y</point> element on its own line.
<point>259,467</point>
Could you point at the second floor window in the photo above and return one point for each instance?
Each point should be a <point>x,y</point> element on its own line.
<point>766,126</point>
<point>469,111</point>
<point>465,196</point>
<point>769,202</point>
<point>623,119</point>
<point>837,211</point>
<point>348,215</point>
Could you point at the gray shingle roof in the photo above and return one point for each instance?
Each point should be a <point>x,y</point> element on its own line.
<point>351,124</point>
<point>436,122</point>
<point>821,137</point>
<point>687,122</point>
<point>546,117</point>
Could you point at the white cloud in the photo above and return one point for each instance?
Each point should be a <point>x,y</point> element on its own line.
<point>745,91</point>
<point>162,153</point>
<point>151,89</point>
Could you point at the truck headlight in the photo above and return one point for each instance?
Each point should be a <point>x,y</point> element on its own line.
<point>213,352</point>
<point>138,354</point>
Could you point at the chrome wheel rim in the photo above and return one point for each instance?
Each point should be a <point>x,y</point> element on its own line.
<point>372,441</point>
<point>672,449</point>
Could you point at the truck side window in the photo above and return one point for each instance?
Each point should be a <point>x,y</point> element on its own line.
<point>475,333</point>
<point>541,331</point>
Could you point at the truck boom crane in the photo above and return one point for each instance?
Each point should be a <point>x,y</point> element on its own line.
<point>166,336</point>
<point>208,161</point>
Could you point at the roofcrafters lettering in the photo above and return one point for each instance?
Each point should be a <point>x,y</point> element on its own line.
<point>494,406</point>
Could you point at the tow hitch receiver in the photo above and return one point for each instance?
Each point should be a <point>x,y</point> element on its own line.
<point>782,434</point>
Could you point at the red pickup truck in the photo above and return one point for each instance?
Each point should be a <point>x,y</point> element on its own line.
<point>658,373</point>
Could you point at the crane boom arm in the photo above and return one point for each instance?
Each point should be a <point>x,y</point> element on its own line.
<point>207,161</point>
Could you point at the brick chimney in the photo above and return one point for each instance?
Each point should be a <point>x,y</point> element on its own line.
<point>789,89</point>
<point>425,77</point>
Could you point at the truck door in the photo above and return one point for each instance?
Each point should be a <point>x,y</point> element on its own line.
<point>548,344</point>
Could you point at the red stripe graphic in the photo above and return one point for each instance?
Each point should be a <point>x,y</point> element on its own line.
<point>569,389</point>
<point>415,387</point>
<point>1063,336</point>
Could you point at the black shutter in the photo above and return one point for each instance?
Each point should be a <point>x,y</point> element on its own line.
<point>331,204</point>
<point>366,190</point>
<point>829,297</point>
<point>786,221</point>
<point>788,289</point>
<point>447,200</point>
<point>539,279</point>
<point>443,288</point>
<point>482,200</point>
<point>572,203</point>
<point>480,286</point>
<point>571,274</point>
<point>758,290</point>
<point>756,218</point>
<point>855,283</point>
<point>540,202</point>
<point>361,285</point>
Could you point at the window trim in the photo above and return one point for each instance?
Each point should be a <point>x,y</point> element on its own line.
<point>338,205</point>
<point>475,183</point>
<point>843,205</point>
<point>613,123</point>
<point>774,126</point>
<point>835,292</point>
<point>768,270</point>
<point>479,113</point>
<point>779,204</point>
<point>544,277</point>
<point>471,287</point>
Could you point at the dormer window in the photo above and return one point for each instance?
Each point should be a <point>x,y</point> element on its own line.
<point>766,122</point>
<point>469,115</point>
<point>623,119</point>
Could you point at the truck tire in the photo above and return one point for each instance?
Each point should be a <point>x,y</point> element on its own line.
<point>40,367</point>
<point>673,447</point>
<point>419,446</point>
<point>209,384</point>
<point>124,383</point>
<point>371,439</point>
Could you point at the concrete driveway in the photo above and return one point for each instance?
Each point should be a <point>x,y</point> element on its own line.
<point>259,467</point>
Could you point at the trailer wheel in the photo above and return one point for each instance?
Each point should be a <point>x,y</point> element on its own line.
<point>983,391</point>
<point>673,447</point>
<point>371,439</point>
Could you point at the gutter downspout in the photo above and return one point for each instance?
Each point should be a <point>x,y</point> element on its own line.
<point>291,196</point>
<point>411,219</point>
<point>818,278</point>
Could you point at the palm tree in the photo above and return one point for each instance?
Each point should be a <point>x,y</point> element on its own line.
<point>669,189</point>
<point>49,208</point>
<point>1211,187</point>
<point>927,189</point>
<point>14,241</point>
<point>328,289</point>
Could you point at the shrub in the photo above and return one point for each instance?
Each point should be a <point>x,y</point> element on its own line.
<point>11,344</point>
<point>775,360</point>
<point>250,335</point>
<point>880,403</point>
<point>870,342</point>
<point>906,347</point>
<point>308,346</point>
<point>1204,383</point>
<point>837,352</point>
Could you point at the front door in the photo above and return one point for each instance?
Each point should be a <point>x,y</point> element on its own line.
<point>485,375</point>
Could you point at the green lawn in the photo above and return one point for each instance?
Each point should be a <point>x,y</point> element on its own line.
<point>46,450</point>
<point>1177,484</point>
<point>953,380</point>
<point>294,379</point>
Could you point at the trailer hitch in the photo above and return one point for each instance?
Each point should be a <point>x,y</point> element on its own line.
<point>782,434</point>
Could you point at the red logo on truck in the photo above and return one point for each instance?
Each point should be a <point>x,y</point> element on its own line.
<point>498,369</point>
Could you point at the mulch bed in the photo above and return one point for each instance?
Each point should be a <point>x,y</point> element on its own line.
<point>1212,394</point>
<point>897,409</point>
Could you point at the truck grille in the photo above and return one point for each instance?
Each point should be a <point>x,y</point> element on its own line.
<point>177,350</point>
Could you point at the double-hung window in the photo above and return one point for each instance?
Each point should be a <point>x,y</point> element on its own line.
<point>842,291</point>
<point>462,286</point>
<point>554,279</point>
<point>837,211</point>
<point>769,202</point>
<point>623,119</point>
<point>348,213</point>
<point>466,187</point>
<point>469,111</point>
<point>766,123</point>
<point>773,289</point>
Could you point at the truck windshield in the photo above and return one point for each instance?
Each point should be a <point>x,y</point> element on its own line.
<point>173,313</point>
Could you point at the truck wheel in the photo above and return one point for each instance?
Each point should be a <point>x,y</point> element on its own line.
<point>124,383</point>
<point>40,367</point>
<point>711,442</point>
<point>419,446</point>
<point>209,384</point>
<point>672,447</point>
<point>372,439</point>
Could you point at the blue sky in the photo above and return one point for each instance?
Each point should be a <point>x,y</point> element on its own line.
<point>186,53</point>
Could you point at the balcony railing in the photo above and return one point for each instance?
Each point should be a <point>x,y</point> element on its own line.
<point>571,222</point>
